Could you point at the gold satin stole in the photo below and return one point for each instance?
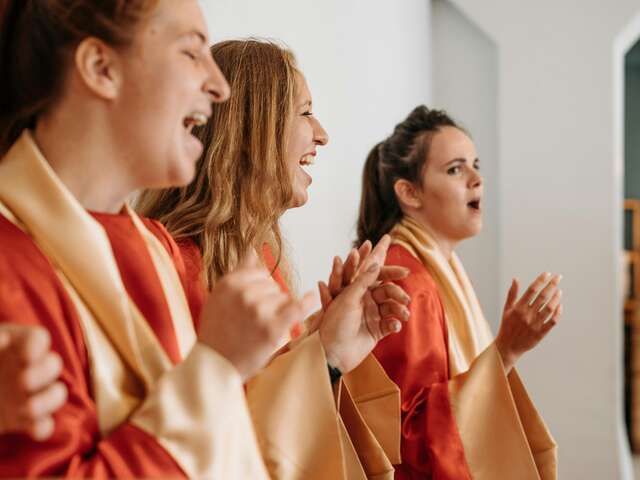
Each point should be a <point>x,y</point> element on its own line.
<point>503,435</point>
<point>196,410</point>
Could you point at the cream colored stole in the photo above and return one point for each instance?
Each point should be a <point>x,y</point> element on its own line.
<point>503,435</point>
<point>196,410</point>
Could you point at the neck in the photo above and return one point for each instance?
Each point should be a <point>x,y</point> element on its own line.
<point>445,245</point>
<point>81,153</point>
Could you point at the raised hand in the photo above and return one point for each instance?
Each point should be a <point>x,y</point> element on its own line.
<point>29,388</point>
<point>342,274</point>
<point>525,322</point>
<point>353,321</point>
<point>247,316</point>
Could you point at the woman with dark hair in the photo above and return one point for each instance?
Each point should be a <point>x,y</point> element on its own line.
<point>465,412</point>
<point>98,100</point>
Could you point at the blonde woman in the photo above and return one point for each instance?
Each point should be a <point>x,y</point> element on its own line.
<point>465,412</point>
<point>258,146</point>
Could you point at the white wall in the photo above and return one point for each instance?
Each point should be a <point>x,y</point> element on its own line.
<point>368,65</point>
<point>465,83</point>
<point>559,104</point>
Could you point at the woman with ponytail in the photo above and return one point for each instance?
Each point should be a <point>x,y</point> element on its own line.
<point>465,411</point>
<point>98,99</point>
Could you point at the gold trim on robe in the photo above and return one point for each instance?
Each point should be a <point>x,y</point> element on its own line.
<point>196,410</point>
<point>503,435</point>
<point>307,431</point>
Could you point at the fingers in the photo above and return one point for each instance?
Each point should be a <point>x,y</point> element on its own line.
<point>365,249</point>
<point>546,293</point>
<point>29,343</point>
<point>512,295</point>
<point>325,295</point>
<point>550,308</point>
<point>393,309</point>
<point>335,279</point>
<point>390,291</point>
<point>42,373</point>
<point>41,429</point>
<point>363,281</point>
<point>389,273</point>
<point>43,404</point>
<point>378,254</point>
<point>390,326</point>
<point>350,267</point>
<point>546,327</point>
<point>534,289</point>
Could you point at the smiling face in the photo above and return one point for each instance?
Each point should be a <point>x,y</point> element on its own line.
<point>169,82</point>
<point>304,135</point>
<point>449,201</point>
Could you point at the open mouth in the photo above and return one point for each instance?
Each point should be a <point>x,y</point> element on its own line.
<point>195,119</point>
<point>474,205</point>
<point>307,160</point>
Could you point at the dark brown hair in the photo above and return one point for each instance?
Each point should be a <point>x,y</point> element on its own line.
<point>400,156</point>
<point>37,40</point>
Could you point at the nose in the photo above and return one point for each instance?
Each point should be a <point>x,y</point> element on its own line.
<point>475,179</point>
<point>320,135</point>
<point>216,86</point>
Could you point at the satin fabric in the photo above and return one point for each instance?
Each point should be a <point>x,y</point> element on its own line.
<point>503,435</point>
<point>196,410</point>
<point>305,429</point>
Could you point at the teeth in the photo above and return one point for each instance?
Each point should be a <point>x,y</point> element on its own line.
<point>196,119</point>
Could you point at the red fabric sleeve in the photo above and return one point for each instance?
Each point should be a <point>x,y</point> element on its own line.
<point>31,294</point>
<point>416,359</point>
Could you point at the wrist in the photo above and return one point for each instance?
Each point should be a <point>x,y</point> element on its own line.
<point>508,359</point>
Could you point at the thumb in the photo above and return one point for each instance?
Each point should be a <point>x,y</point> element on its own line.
<point>512,295</point>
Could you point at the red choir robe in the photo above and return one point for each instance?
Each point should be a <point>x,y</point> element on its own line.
<point>144,400</point>
<point>462,417</point>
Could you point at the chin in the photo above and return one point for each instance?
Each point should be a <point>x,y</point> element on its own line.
<point>299,199</point>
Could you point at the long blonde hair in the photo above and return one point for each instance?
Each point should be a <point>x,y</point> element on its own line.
<point>242,185</point>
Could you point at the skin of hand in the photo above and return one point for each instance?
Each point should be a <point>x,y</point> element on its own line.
<point>353,322</point>
<point>525,322</point>
<point>247,315</point>
<point>29,388</point>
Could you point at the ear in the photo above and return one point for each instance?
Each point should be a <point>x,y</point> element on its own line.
<point>99,67</point>
<point>407,194</point>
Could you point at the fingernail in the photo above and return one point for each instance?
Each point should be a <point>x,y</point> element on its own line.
<point>372,268</point>
<point>396,327</point>
<point>405,314</point>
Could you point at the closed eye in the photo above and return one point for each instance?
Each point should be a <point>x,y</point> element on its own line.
<point>191,55</point>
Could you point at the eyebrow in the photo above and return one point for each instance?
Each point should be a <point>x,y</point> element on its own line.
<point>195,33</point>
<point>460,160</point>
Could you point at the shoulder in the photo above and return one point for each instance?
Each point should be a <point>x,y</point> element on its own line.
<point>21,261</point>
<point>419,281</point>
<point>161,234</point>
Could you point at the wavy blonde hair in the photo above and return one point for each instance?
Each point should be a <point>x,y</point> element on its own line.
<point>242,184</point>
